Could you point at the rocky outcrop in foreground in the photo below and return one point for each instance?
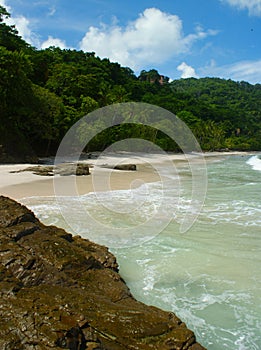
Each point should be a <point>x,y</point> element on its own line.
<point>64,292</point>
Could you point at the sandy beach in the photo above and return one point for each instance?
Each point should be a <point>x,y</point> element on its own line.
<point>102,178</point>
<point>18,185</point>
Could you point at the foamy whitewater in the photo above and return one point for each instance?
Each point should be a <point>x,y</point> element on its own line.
<point>211,275</point>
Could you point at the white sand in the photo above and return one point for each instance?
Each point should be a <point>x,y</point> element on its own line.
<point>27,184</point>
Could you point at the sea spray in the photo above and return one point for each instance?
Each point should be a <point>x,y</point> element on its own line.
<point>255,162</point>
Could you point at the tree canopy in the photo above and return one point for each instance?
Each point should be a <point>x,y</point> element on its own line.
<point>44,92</point>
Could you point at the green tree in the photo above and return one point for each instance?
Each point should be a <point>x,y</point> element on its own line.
<point>209,134</point>
<point>9,37</point>
<point>43,127</point>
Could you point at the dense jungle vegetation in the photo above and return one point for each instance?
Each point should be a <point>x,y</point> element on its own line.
<point>44,92</point>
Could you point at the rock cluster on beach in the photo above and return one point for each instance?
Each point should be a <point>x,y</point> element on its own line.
<point>64,292</point>
<point>64,169</point>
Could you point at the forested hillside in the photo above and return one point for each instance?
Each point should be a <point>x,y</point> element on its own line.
<point>44,92</point>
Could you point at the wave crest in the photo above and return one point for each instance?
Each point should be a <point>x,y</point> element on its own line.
<point>255,162</point>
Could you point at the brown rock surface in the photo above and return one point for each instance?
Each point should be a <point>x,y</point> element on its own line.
<point>63,292</point>
<point>64,169</point>
<point>127,167</point>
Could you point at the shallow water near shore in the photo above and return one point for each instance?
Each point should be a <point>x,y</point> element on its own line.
<point>211,275</point>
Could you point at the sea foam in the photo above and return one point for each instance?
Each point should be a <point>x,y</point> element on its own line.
<point>255,162</point>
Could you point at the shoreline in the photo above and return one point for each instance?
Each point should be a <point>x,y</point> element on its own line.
<point>26,184</point>
<point>121,175</point>
<point>107,180</point>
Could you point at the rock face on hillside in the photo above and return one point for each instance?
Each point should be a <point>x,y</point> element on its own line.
<point>64,292</point>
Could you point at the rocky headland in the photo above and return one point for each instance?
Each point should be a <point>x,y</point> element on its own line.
<point>60,291</point>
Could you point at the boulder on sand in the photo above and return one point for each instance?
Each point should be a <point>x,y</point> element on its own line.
<point>126,167</point>
<point>64,169</point>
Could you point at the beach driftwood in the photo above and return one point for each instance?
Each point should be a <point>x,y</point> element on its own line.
<point>59,291</point>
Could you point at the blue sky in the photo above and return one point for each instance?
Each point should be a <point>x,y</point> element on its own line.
<point>179,38</point>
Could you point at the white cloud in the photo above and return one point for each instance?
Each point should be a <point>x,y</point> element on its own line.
<point>53,42</point>
<point>22,25</point>
<point>239,71</point>
<point>4,4</point>
<point>253,6</point>
<point>187,71</point>
<point>153,38</point>
<point>52,11</point>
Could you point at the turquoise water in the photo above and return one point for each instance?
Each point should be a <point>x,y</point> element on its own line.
<point>211,275</point>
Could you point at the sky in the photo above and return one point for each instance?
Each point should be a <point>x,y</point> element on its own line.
<point>179,38</point>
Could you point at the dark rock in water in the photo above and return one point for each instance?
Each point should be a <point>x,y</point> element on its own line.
<point>63,292</point>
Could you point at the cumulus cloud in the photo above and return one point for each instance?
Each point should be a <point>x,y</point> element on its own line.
<point>153,38</point>
<point>53,42</point>
<point>239,71</point>
<point>22,25</point>
<point>186,71</point>
<point>253,6</point>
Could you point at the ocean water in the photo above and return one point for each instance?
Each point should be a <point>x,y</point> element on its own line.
<point>209,276</point>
